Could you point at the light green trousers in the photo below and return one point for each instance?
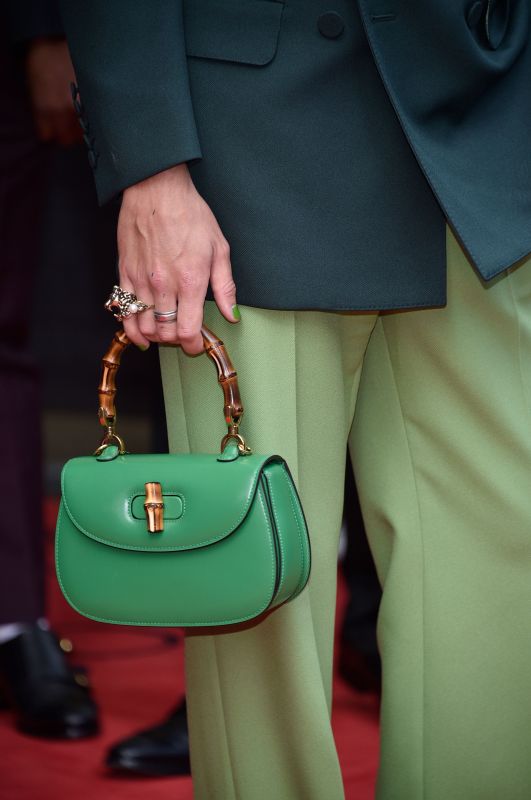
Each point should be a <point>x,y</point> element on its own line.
<point>440,434</point>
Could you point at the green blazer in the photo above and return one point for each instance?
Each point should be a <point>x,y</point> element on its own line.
<point>457,73</point>
<point>330,137</point>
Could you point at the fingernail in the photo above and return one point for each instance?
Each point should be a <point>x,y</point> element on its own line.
<point>143,347</point>
<point>236,313</point>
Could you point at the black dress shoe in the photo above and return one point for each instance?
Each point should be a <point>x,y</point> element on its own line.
<point>362,671</point>
<point>41,687</point>
<point>160,750</point>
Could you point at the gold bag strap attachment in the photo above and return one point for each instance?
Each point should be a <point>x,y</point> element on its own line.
<point>227,378</point>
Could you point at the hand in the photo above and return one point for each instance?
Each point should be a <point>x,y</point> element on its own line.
<point>49,73</point>
<point>170,246</point>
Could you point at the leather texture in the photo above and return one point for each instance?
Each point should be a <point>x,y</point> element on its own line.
<point>234,543</point>
<point>161,749</point>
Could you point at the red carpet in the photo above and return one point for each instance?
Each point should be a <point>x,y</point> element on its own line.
<point>137,675</point>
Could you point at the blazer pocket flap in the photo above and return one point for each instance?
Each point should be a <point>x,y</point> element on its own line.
<point>242,31</point>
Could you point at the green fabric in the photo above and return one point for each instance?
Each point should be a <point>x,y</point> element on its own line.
<point>234,541</point>
<point>126,56</point>
<point>303,160</point>
<point>461,93</point>
<point>308,148</point>
<point>442,461</point>
<point>447,505</point>
<point>260,697</point>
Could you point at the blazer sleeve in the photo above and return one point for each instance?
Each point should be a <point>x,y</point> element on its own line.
<point>134,98</point>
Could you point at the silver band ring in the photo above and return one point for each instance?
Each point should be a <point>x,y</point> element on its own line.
<point>165,316</point>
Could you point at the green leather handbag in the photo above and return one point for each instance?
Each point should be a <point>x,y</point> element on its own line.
<point>179,539</point>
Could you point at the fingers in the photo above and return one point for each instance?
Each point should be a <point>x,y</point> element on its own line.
<point>131,324</point>
<point>188,300</point>
<point>170,247</point>
<point>166,330</point>
<point>186,330</point>
<point>146,322</point>
<point>223,286</point>
<point>133,332</point>
<point>189,322</point>
<point>145,319</point>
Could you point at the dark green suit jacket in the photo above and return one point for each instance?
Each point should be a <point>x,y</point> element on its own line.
<point>330,137</point>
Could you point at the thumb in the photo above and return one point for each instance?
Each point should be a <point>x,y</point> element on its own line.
<point>223,286</point>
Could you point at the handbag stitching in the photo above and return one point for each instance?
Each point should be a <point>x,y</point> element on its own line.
<point>301,537</point>
<point>279,537</point>
<point>166,548</point>
<point>304,535</point>
<point>176,624</point>
<point>296,502</point>
<point>266,497</point>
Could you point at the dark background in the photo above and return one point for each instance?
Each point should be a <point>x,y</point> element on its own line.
<point>71,329</point>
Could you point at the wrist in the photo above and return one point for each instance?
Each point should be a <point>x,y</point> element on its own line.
<point>178,177</point>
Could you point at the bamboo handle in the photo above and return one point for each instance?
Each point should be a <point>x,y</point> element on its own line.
<point>107,388</point>
<point>227,378</point>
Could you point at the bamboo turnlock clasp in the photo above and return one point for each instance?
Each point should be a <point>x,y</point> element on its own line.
<point>154,507</point>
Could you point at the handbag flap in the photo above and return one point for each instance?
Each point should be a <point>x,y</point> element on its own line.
<point>212,498</point>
